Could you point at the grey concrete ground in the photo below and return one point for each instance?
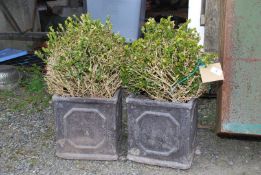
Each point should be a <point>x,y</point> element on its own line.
<point>27,147</point>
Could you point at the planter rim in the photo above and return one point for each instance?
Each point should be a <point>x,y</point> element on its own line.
<point>146,101</point>
<point>56,98</point>
<point>163,163</point>
<point>73,156</point>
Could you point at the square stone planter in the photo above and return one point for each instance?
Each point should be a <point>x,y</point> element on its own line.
<point>162,133</point>
<point>87,128</point>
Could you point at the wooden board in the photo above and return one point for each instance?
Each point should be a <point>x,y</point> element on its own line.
<point>23,12</point>
<point>212,26</point>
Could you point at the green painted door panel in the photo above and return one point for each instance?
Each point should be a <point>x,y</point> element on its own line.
<point>240,99</point>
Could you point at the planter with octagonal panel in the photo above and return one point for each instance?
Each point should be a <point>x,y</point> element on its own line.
<point>83,73</point>
<point>87,128</point>
<point>161,133</point>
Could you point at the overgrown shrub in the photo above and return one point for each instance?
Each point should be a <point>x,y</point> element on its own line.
<point>83,58</point>
<point>164,64</point>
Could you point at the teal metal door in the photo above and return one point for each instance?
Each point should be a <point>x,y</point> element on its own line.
<point>240,96</point>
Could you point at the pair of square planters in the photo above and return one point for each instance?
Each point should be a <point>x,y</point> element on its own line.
<point>159,133</point>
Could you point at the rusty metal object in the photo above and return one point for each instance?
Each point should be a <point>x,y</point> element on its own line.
<point>240,95</point>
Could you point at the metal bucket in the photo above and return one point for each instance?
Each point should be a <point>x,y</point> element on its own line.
<point>9,77</point>
<point>127,16</point>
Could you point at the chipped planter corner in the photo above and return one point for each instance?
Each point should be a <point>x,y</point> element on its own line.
<point>87,128</point>
<point>162,133</point>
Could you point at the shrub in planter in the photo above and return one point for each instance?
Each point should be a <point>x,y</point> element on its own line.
<point>163,68</point>
<point>83,58</point>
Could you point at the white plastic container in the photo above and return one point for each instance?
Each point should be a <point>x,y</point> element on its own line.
<point>126,16</point>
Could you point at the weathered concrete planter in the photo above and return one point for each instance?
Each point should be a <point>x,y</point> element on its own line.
<point>87,128</point>
<point>161,133</point>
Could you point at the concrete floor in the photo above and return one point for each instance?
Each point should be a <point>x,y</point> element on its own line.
<point>27,147</point>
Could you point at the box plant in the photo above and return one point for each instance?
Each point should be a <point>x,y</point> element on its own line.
<point>163,68</point>
<point>164,65</point>
<point>83,59</point>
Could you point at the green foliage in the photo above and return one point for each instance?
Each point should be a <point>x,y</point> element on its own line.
<point>31,96</point>
<point>83,58</point>
<point>161,60</point>
<point>33,81</point>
